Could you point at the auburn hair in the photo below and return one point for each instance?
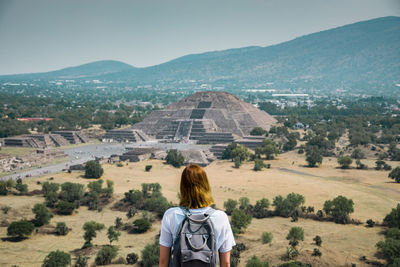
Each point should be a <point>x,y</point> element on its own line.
<point>195,188</point>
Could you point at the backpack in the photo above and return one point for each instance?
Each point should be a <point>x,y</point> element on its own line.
<point>195,243</point>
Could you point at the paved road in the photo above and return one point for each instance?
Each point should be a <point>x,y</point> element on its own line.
<point>81,154</point>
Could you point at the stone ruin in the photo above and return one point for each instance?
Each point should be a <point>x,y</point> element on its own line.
<point>126,135</point>
<point>207,117</point>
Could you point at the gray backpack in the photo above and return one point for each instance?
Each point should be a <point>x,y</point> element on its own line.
<point>195,241</point>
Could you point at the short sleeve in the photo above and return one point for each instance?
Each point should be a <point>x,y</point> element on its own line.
<point>225,238</point>
<point>166,237</point>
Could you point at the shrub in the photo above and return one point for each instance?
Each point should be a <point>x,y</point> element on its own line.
<point>259,165</point>
<point>106,254</point>
<point>316,253</point>
<point>294,264</point>
<point>237,162</point>
<point>5,209</point>
<point>240,219</point>
<point>81,261</point>
<point>22,188</point>
<point>235,254</point>
<point>118,222</point>
<point>301,151</point>
<point>258,131</point>
<point>256,262</point>
<point>295,235</point>
<point>90,229</point>
<point>150,255</point>
<point>318,240</point>
<point>227,153</point>
<point>393,218</point>
<point>20,229</point>
<point>141,225</point>
<point>230,205</point>
<point>313,156</point>
<point>175,158</point>
<point>244,204</point>
<point>113,234</point>
<point>5,186</point>
<point>156,203</point>
<point>360,165</point>
<point>61,228</point>
<point>345,162</point>
<point>95,186</point>
<point>286,207</point>
<point>379,164</point>
<point>260,210</point>
<point>370,223</point>
<point>395,174</point>
<point>57,259</point>
<point>65,207</point>
<point>93,169</point>
<point>132,258</point>
<point>147,169</point>
<point>48,187</point>
<point>339,208</point>
<point>390,250</point>
<point>268,148</point>
<point>387,167</point>
<point>72,192</point>
<point>51,199</point>
<point>393,233</point>
<point>42,214</point>
<point>119,164</point>
<point>358,154</point>
<point>131,212</point>
<point>266,237</point>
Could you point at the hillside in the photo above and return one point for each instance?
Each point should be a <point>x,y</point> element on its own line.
<point>363,55</point>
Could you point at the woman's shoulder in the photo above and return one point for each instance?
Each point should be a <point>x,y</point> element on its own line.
<point>220,214</point>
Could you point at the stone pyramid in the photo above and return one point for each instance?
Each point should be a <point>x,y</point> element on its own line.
<point>205,115</point>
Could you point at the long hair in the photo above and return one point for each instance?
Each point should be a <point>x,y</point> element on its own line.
<point>195,188</point>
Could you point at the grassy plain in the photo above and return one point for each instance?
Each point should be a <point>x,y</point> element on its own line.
<point>373,193</point>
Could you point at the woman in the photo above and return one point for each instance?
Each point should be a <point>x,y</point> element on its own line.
<point>196,198</point>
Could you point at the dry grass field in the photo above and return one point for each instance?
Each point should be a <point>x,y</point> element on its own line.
<point>373,193</point>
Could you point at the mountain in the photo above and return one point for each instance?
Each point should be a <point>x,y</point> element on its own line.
<point>363,55</point>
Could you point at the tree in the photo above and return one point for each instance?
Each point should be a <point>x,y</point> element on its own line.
<point>42,214</point>
<point>240,220</point>
<point>21,188</point>
<point>259,164</point>
<point>240,153</point>
<point>72,192</point>
<point>65,207</point>
<point>390,249</point>
<point>57,259</point>
<point>147,169</point>
<point>318,240</point>
<point>90,229</point>
<point>81,261</point>
<point>113,234</point>
<point>5,186</point>
<point>313,156</point>
<point>379,164</point>
<point>230,205</point>
<point>393,218</point>
<point>266,237</point>
<point>106,254</point>
<point>20,229</point>
<point>141,225</point>
<point>295,235</point>
<point>260,209</point>
<point>268,148</point>
<point>256,262</point>
<point>93,169</point>
<point>227,153</point>
<point>358,154</point>
<point>48,187</point>
<point>51,199</point>
<point>316,253</point>
<point>61,228</point>
<point>175,158</point>
<point>395,174</point>
<point>286,207</point>
<point>132,258</point>
<point>258,131</point>
<point>244,204</point>
<point>118,222</point>
<point>150,255</point>
<point>95,186</point>
<point>339,208</point>
<point>345,162</point>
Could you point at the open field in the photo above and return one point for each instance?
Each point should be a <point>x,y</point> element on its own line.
<point>16,151</point>
<point>373,193</point>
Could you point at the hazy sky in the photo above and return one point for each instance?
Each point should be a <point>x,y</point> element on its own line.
<point>44,35</point>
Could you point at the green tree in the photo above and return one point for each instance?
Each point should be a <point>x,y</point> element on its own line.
<point>90,229</point>
<point>113,234</point>
<point>93,169</point>
<point>72,192</point>
<point>21,188</point>
<point>259,165</point>
<point>241,153</point>
<point>240,219</point>
<point>256,262</point>
<point>318,240</point>
<point>175,158</point>
<point>57,259</point>
<point>5,186</point>
<point>313,156</point>
<point>286,207</point>
<point>260,209</point>
<point>48,187</point>
<point>339,208</point>
<point>268,148</point>
<point>266,237</point>
<point>65,207</point>
<point>358,154</point>
<point>395,174</point>
<point>295,235</point>
<point>132,258</point>
<point>345,162</point>
<point>95,186</point>
<point>390,249</point>
<point>141,225</point>
<point>106,254</point>
<point>61,228</point>
<point>151,255</point>
<point>227,153</point>
<point>393,218</point>
<point>258,131</point>
<point>230,205</point>
<point>20,229</point>
<point>51,199</point>
<point>42,214</point>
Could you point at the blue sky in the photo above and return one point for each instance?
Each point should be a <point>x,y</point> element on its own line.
<point>44,35</point>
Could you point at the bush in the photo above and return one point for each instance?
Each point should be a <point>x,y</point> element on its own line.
<point>132,258</point>
<point>237,162</point>
<point>22,188</point>
<point>93,169</point>
<point>57,259</point>
<point>240,219</point>
<point>5,186</point>
<point>72,192</point>
<point>81,261</point>
<point>370,223</point>
<point>379,164</point>
<point>175,158</point>
<point>286,207</point>
<point>118,222</point>
<point>61,228</point>
<point>294,264</point>
<point>106,254</point>
<point>151,255</point>
<point>42,214</point>
<point>358,154</point>
<point>266,237</point>
<point>301,151</point>
<point>387,167</point>
<point>90,229</point>
<point>20,229</point>
<point>258,131</point>
<point>156,203</point>
<point>260,210</point>
<point>147,169</point>
<point>119,164</point>
<point>131,212</point>
<point>390,250</point>
<point>393,218</point>
<point>235,254</point>
<point>268,148</point>
<point>339,208</point>
<point>345,162</point>
<point>141,226</point>
<point>51,199</point>
<point>113,234</point>
<point>259,165</point>
<point>316,253</point>
<point>313,156</point>
<point>256,262</point>
<point>318,240</point>
<point>295,235</point>
<point>393,233</point>
<point>360,165</point>
<point>395,174</point>
<point>65,207</point>
<point>230,205</point>
<point>48,187</point>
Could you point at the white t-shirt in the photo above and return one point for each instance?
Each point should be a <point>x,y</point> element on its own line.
<point>174,216</point>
